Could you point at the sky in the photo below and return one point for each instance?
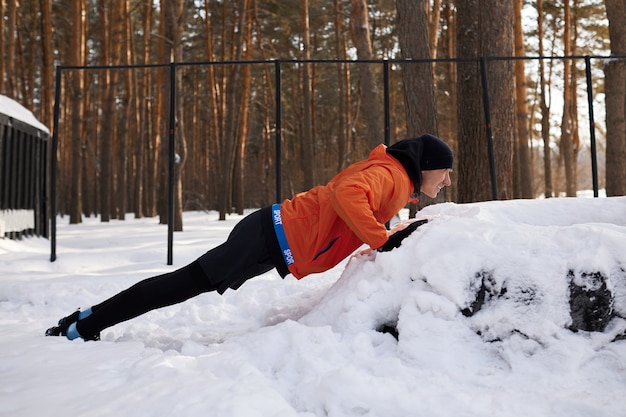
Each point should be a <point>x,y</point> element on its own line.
<point>283,347</point>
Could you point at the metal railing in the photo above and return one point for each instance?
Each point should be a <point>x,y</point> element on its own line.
<point>24,186</point>
<point>278,65</point>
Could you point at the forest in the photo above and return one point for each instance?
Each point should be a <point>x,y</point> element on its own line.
<point>353,74</point>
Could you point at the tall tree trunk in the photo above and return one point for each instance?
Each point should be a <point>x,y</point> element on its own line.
<point>165,53</point>
<point>25,50</point>
<point>76,137</point>
<point>111,56</point>
<point>615,82</point>
<point>370,101</point>
<point>106,130</point>
<point>575,137</point>
<point>501,75</point>
<point>566,146</point>
<point>307,148</point>
<point>128,130</point>
<point>450,69</point>
<point>151,134</point>
<point>214,101</point>
<point>2,48</point>
<point>479,34</point>
<point>418,81</point>
<point>228,155</point>
<point>575,131</point>
<point>344,121</point>
<point>174,31</point>
<point>10,88</point>
<point>266,106</point>
<point>522,179</point>
<point>89,130</point>
<point>244,111</point>
<point>473,177</point>
<point>142,152</point>
<point>433,26</point>
<point>47,68</point>
<point>545,109</point>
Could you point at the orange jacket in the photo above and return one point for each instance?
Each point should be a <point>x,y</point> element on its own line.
<point>327,223</point>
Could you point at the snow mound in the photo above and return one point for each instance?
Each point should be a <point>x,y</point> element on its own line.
<point>518,257</point>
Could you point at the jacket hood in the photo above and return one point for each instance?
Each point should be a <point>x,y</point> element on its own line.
<point>409,152</point>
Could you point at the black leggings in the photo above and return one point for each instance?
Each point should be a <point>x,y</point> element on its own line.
<point>244,255</point>
<point>149,294</point>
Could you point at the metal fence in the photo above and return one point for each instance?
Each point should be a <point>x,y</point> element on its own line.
<point>24,189</point>
<point>278,66</point>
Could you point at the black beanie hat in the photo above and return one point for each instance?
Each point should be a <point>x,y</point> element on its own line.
<point>425,153</point>
<point>436,154</point>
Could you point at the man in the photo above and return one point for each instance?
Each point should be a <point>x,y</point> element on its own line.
<point>309,233</point>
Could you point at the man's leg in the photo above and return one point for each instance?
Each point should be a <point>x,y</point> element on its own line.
<point>244,255</point>
<point>146,295</point>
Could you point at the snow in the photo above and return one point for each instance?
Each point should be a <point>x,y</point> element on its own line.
<point>15,110</point>
<point>310,348</point>
<point>16,220</point>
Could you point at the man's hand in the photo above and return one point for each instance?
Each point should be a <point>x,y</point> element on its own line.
<point>396,238</point>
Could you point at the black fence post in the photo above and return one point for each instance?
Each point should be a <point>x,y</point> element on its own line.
<point>492,163</point>
<point>592,127</point>
<point>277,77</point>
<point>172,166</point>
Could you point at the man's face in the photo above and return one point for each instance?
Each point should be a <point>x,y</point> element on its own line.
<point>435,180</point>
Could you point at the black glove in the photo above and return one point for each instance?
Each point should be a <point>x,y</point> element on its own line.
<point>395,240</point>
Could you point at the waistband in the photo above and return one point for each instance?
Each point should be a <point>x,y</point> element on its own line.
<point>280,235</point>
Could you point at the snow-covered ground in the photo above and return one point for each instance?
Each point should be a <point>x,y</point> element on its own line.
<point>310,348</point>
